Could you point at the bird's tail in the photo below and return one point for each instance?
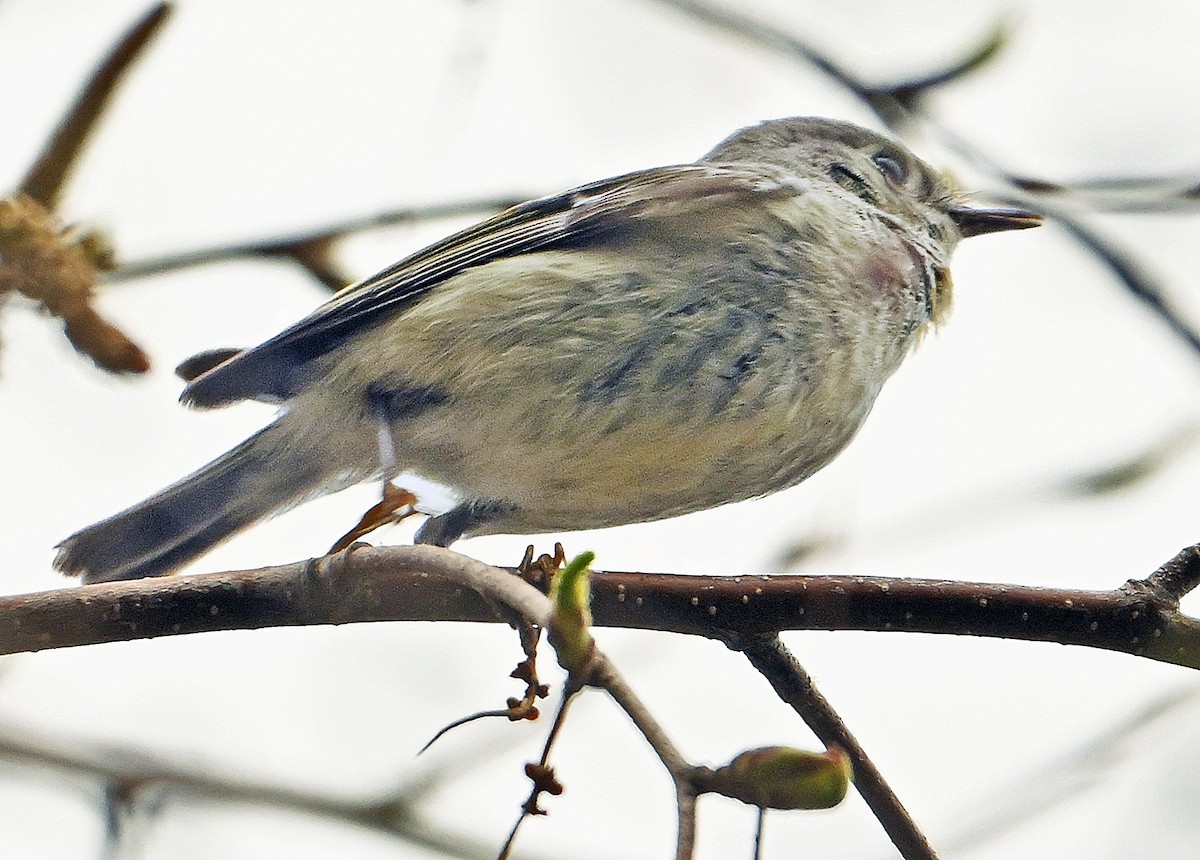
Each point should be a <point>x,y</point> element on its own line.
<point>260,477</point>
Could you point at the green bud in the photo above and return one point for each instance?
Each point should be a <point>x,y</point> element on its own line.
<point>783,778</point>
<point>571,614</point>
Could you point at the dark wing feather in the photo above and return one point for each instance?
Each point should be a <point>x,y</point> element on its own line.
<point>281,367</point>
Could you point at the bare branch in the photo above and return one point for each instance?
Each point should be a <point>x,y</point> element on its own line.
<point>890,109</point>
<point>910,92</point>
<point>409,583</point>
<point>300,247</point>
<point>1121,194</point>
<point>1131,273</point>
<point>1177,577</point>
<point>899,104</point>
<point>57,268</point>
<point>794,685</point>
<point>130,773</point>
<point>45,180</point>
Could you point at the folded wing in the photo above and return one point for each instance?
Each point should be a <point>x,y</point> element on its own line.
<point>282,366</point>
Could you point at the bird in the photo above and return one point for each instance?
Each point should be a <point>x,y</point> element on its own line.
<point>645,346</point>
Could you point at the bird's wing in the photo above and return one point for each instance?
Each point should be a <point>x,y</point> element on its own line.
<point>280,367</point>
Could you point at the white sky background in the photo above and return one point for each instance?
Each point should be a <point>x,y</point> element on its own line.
<point>253,120</point>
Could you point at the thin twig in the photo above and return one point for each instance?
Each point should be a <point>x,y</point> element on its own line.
<point>134,772</point>
<point>897,107</point>
<point>680,770</point>
<point>1120,194</point>
<point>295,246</point>
<point>1178,576</point>
<point>530,806</point>
<point>1131,273</point>
<point>910,92</point>
<point>884,104</point>
<point>794,685</point>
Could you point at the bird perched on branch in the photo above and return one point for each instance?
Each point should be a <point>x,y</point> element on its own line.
<point>645,346</point>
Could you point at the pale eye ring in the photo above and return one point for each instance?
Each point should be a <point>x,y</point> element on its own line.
<point>894,169</point>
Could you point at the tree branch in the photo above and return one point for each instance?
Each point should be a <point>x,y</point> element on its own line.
<point>46,177</point>
<point>395,813</point>
<point>899,105</point>
<point>406,583</point>
<point>310,248</point>
<point>795,687</point>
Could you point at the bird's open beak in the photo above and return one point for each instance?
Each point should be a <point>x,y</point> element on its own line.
<point>974,221</point>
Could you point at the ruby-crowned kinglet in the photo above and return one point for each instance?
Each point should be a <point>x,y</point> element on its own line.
<point>637,348</point>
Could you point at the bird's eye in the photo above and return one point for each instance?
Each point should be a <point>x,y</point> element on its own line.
<point>894,169</point>
<point>851,181</point>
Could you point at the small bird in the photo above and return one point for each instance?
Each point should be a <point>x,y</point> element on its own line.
<point>641,347</point>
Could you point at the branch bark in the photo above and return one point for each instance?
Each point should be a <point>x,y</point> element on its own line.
<point>402,583</point>
<point>795,687</point>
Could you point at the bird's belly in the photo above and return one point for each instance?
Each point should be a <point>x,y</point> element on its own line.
<point>564,474</point>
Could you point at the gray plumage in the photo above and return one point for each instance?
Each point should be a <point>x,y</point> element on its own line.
<point>637,348</point>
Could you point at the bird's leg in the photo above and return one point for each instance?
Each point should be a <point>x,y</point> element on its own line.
<point>381,412</point>
<point>540,571</point>
<point>395,503</point>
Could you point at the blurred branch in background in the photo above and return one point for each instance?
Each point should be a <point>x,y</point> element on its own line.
<point>58,267</point>
<point>312,250</point>
<point>55,266</point>
<point>894,104</point>
<point>991,504</point>
<point>48,176</point>
<point>136,784</point>
<point>900,105</point>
